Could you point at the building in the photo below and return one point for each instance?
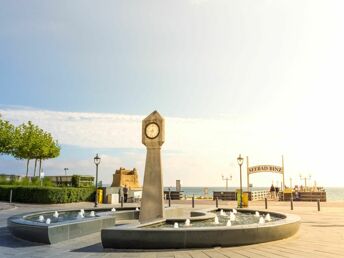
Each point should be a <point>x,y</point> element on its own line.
<point>127,177</point>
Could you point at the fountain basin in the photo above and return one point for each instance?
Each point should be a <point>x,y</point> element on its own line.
<point>146,236</point>
<point>27,226</point>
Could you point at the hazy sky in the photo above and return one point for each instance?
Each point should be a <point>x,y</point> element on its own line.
<point>261,78</point>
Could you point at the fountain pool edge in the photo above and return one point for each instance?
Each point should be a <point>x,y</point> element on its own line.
<point>123,237</point>
<point>54,233</point>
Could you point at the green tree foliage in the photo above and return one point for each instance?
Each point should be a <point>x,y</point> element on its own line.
<point>6,137</point>
<point>27,141</point>
<point>49,149</point>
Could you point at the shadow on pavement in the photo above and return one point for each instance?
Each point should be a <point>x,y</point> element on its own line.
<point>96,248</point>
<point>8,240</point>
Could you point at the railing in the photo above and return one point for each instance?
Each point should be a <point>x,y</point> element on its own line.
<point>259,195</point>
<point>175,195</point>
<point>224,195</point>
<point>304,196</point>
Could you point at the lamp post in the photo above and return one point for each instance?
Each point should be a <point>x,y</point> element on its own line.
<point>65,169</point>
<point>227,178</point>
<point>240,161</point>
<point>96,161</point>
<point>305,178</point>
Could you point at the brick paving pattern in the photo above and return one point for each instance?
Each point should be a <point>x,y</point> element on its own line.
<point>321,235</point>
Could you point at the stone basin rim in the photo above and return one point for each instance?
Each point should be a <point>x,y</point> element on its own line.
<point>122,237</point>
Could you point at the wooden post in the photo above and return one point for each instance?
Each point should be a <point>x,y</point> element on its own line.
<point>11,196</point>
<point>248,175</point>
<point>266,203</point>
<point>217,202</point>
<point>169,197</point>
<point>122,201</point>
<point>283,173</point>
<point>318,201</point>
<point>291,202</point>
<point>193,201</point>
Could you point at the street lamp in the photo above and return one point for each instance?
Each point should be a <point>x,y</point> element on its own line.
<point>96,161</point>
<point>240,161</point>
<point>305,178</point>
<point>65,169</point>
<point>227,178</point>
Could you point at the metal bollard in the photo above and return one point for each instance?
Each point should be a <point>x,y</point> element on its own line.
<point>11,196</point>
<point>217,202</point>
<point>193,201</point>
<point>266,203</point>
<point>291,203</point>
<point>169,198</point>
<point>122,201</point>
<point>318,201</point>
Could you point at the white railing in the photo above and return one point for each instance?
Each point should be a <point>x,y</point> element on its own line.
<point>259,195</point>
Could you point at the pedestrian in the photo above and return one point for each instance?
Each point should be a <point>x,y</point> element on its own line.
<point>120,194</point>
<point>272,192</point>
<point>277,190</point>
<point>125,193</point>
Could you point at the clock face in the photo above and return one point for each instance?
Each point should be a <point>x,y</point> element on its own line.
<point>152,130</point>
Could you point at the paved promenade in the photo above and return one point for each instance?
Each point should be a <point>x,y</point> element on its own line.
<point>321,235</point>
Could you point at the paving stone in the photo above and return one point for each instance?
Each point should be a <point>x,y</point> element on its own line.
<point>321,234</point>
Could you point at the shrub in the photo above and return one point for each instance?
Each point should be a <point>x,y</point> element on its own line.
<point>32,194</point>
<point>82,181</point>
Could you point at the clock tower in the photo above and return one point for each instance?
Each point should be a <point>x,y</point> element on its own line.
<point>153,136</point>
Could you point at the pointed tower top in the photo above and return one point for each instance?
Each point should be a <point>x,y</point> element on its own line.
<point>153,116</point>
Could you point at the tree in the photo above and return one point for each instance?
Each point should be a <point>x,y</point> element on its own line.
<point>26,143</point>
<point>50,148</point>
<point>6,137</point>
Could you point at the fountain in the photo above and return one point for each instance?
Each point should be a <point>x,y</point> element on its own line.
<point>41,218</point>
<point>187,223</point>
<point>216,220</point>
<point>267,217</point>
<point>256,214</point>
<point>209,228</point>
<point>232,217</point>
<point>92,214</point>
<point>80,215</point>
<point>222,213</point>
<point>261,221</point>
<point>113,209</point>
<point>48,221</point>
<point>56,214</point>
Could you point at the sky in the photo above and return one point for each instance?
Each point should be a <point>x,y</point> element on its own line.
<point>260,78</point>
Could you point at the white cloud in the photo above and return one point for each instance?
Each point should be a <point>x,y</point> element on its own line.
<point>196,148</point>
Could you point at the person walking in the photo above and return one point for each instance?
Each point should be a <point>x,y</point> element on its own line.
<point>277,191</point>
<point>125,193</point>
<point>272,192</point>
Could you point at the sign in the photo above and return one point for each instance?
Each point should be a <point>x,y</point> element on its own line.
<point>265,168</point>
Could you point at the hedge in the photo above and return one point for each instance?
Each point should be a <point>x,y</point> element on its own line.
<point>32,194</point>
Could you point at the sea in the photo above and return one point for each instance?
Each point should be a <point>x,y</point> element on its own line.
<point>332,193</point>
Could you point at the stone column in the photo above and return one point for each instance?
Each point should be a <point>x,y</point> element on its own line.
<point>153,136</point>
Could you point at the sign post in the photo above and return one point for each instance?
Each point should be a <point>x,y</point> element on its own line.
<point>265,168</point>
